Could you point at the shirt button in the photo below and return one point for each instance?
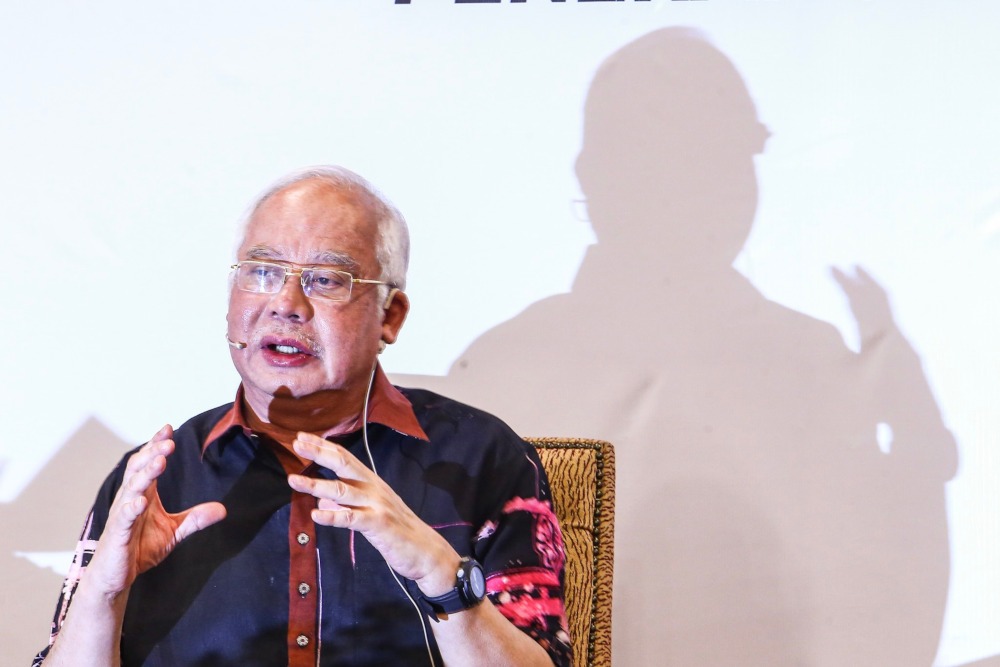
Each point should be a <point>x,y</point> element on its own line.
<point>303,589</point>
<point>302,538</point>
<point>302,640</point>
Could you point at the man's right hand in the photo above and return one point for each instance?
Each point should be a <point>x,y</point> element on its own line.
<point>138,535</point>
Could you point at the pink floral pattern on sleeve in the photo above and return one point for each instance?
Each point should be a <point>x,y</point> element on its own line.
<point>529,594</point>
<point>548,536</point>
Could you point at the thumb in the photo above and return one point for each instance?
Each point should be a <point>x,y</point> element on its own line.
<point>199,517</point>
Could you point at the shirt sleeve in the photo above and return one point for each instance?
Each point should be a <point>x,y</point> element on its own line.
<point>81,558</point>
<point>85,547</point>
<point>521,549</point>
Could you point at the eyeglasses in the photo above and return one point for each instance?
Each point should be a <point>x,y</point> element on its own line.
<point>268,278</point>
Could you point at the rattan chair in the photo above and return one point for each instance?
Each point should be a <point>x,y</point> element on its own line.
<point>582,477</point>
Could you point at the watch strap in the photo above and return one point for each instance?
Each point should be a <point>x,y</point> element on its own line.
<point>461,597</point>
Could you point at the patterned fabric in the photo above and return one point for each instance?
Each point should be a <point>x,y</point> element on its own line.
<point>582,481</point>
<point>222,597</point>
<point>81,559</point>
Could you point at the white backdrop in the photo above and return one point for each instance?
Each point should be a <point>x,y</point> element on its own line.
<point>133,135</point>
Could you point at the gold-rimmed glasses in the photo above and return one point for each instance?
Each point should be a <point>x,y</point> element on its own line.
<point>317,283</point>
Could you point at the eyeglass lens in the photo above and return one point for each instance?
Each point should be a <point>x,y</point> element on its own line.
<point>317,283</point>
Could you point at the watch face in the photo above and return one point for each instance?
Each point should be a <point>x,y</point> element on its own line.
<point>477,582</point>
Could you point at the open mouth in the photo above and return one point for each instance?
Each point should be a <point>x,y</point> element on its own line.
<point>286,349</point>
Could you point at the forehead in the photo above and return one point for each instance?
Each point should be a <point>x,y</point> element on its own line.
<point>309,222</point>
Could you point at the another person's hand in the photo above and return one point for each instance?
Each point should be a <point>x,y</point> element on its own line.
<point>360,500</point>
<point>139,533</point>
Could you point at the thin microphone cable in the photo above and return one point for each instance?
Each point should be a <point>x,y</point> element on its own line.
<point>371,460</point>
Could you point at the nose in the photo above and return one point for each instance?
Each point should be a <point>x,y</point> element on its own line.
<point>290,302</point>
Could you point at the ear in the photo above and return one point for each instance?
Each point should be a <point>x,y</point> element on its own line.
<point>397,305</point>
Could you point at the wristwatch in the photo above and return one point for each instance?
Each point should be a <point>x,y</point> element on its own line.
<point>469,590</point>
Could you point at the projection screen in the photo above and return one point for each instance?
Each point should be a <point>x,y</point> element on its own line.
<point>754,243</point>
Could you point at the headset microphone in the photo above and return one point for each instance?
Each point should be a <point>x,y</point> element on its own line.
<point>233,343</point>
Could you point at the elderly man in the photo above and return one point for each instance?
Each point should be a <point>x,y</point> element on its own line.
<point>324,517</point>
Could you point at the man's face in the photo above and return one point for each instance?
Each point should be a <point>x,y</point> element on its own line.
<point>296,345</point>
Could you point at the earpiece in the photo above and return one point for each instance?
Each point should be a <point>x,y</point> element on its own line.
<point>385,306</point>
<point>389,298</point>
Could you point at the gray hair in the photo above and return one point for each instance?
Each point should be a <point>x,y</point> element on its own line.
<point>392,246</point>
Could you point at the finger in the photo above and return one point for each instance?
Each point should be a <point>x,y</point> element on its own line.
<point>200,517</point>
<point>345,517</point>
<point>132,510</point>
<point>160,444</point>
<point>335,490</point>
<point>166,432</point>
<point>142,480</point>
<point>325,504</point>
<point>330,455</point>
<point>405,545</point>
<point>122,518</point>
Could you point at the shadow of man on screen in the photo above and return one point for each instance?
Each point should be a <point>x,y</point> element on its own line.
<point>780,497</point>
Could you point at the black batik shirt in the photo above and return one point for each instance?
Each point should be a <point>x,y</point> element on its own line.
<point>267,586</point>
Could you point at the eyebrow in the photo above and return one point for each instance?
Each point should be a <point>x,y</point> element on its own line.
<point>324,258</point>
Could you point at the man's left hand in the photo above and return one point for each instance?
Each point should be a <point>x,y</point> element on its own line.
<point>360,500</point>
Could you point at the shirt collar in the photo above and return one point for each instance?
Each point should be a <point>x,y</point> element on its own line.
<point>386,406</point>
